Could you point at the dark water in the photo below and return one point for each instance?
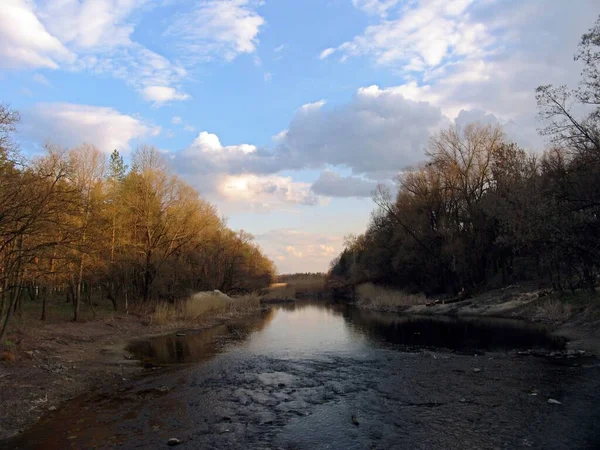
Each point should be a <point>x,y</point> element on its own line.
<point>319,376</point>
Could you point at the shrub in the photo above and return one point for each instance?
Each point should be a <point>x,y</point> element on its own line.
<point>555,310</point>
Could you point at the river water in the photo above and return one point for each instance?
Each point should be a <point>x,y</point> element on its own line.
<point>322,376</point>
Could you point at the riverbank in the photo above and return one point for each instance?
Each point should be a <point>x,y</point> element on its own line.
<point>47,364</point>
<point>573,316</point>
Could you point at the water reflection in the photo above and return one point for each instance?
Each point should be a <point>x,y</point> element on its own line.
<point>197,346</point>
<point>317,327</point>
<point>450,332</point>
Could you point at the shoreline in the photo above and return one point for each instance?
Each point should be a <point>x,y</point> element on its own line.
<point>59,361</point>
<point>581,332</point>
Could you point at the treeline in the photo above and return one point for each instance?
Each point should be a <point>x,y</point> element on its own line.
<point>482,212</point>
<point>290,277</point>
<point>74,221</point>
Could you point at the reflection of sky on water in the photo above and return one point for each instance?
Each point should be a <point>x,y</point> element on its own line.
<point>305,330</point>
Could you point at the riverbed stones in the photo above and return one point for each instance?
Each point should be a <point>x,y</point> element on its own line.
<point>173,442</point>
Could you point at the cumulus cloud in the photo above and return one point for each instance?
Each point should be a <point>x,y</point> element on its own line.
<point>68,125</point>
<point>263,192</point>
<point>24,40</point>
<point>332,184</point>
<point>378,132</point>
<point>218,29</point>
<point>379,129</point>
<point>160,95</point>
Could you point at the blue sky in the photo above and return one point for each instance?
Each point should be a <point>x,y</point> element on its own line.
<point>286,114</point>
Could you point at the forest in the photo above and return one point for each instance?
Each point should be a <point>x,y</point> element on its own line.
<point>76,222</point>
<point>481,212</point>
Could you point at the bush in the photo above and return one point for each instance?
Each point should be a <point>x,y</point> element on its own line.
<point>554,310</point>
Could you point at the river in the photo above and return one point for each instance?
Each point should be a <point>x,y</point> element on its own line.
<point>315,375</point>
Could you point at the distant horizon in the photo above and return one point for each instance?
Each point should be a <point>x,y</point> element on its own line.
<point>285,115</point>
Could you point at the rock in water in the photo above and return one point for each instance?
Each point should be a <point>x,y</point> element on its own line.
<point>173,442</point>
<point>476,370</point>
<point>355,420</point>
<point>554,402</point>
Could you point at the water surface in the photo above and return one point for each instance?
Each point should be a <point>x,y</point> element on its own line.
<point>316,376</point>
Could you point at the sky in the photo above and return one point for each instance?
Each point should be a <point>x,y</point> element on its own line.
<point>285,114</point>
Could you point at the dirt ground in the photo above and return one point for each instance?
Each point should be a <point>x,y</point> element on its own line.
<point>57,361</point>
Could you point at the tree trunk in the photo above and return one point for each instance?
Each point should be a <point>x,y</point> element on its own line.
<point>15,292</point>
<point>44,295</point>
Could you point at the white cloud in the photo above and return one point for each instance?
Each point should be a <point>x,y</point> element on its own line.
<point>279,137</point>
<point>88,24</point>
<point>266,191</point>
<point>279,48</point>
<point>326,53</point>
<point>268,77</point>
<point>141,68</point>
<point>379,131</point>
<point>377,7</point>
<point>25,42</point>
<point>160,95</point>
<point>425,34</point>
<point>210,143</point>
<point>176,120</point>
<point>299,251</point>
<point>41,79</point>
<point>90,35</point>
<point>218,28</point>
<point>68,125</point>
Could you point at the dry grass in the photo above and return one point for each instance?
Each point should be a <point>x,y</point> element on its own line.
<point>295,288</point>
<point>279,291</point>
<point>308,286</point>
<point>371,296</point>
<point>203,306</point>
<point>554,310</point>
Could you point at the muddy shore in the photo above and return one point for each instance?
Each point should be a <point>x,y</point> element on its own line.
<point>56,362</point>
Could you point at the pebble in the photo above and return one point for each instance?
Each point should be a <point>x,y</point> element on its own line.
<point>173,442</point>
<point>476,370</point>
<point>554,402</point>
